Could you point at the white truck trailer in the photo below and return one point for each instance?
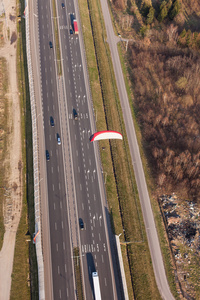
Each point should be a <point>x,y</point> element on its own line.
<point>97,292</point>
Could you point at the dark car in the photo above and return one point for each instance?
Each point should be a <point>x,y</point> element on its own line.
<point>75,114</point>
<point>47,155</point>
<point>71,31</point>
<point>50,45</point>
<point>52,121</point>
<point>58,139</point>
<point>62,5</point>
<point>81,224</point>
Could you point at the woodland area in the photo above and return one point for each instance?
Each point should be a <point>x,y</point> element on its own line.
<point>164,60</point>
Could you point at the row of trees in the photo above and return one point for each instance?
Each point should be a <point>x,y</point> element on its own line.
<point>166,9</point>
<point>189,39</point>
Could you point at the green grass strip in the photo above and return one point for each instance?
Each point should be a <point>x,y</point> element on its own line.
<point>56,32</point>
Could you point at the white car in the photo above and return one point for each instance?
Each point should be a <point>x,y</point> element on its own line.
<point>58,139</point>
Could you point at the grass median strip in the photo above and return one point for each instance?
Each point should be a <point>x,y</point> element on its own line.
<point>56,33</point>
<point>78,274</point>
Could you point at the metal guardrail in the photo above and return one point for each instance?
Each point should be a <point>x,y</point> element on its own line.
<point>38,238</point>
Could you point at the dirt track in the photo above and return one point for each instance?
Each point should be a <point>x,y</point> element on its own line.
<point>13,203</point>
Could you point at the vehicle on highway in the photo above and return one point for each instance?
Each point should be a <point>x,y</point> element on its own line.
<point>63,5</point>
<point>52,121</point>
<point>97,292</point>
<point>81,224</point>
<point>50,45</point>
<point>75,25</point>
<point>47,155</point>
<point>58,139</point>
<point>71,31</point>
<point>75,114</point>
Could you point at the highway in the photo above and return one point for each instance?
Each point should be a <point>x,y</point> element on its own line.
<point>151,231</point>
<point>74,181</point>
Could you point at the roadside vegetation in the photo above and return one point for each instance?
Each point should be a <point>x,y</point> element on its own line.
<point>4,191</point>
<point>25,276</point>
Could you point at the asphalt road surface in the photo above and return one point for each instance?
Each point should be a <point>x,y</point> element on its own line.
<point>74,178</point>
<point>153,241</point>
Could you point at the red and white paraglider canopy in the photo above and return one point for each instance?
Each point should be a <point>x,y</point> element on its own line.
<point>104,135</point>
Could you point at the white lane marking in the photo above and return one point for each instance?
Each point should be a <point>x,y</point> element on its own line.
<point>105,281</point>
<point>104,247</point>
<point>90,214</point>
<point>96,264</point>
<point>67,292</point>
<point>78,169</point>
<point>94,197</point>
<point>92,234</point>
<point>58,169</point>
<point>53,185</point>
<point>63,245</point>
<point>65,268</point>
<point>102,259</point>
<point>60,294</point>
<point>82,206</point>
<point>80,186</point>
<point>59,185</point>
<point>51,169</point>
<point>60,204</point>
<point>100,217</point>
<point>54,206</point>
<point>76,152</point>
<point>99,237</point>
<point>62,225</point>
<point>88,201</point>
<point>57,152</point>
<point>53,107</point>
<point>57,247</point>
<point>90,161</point>
<point>55,226</point>
<point>58,270</point>
<point>97,248</point>
<point>48,107</point>
<point>93,242</point>
<point>89,207</point>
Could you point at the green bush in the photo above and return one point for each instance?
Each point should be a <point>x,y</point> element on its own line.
<point>175,9</point>
<point>150,16</point>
